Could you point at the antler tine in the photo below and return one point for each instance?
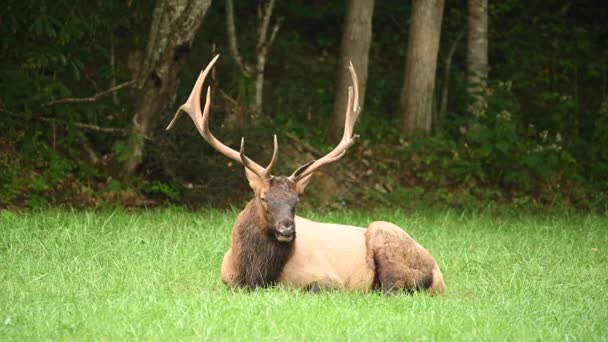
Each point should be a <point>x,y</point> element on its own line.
<point>348,139</point>
<point>192,106</point>
<point>275,153</point>
<point>247,162</point>
<point>201,120</point>
<point>352,119</point>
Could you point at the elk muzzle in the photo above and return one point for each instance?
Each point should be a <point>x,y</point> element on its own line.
<point>285,230</point>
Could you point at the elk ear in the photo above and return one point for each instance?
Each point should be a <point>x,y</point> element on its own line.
<point>255,182</point>
<point>301,184</point>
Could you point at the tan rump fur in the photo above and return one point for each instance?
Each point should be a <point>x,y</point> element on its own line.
<point>401,263</point>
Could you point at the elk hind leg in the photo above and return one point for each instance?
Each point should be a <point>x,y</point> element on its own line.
<point>400,263</point>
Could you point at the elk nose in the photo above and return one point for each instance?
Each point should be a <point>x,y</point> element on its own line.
<point>286,227</point>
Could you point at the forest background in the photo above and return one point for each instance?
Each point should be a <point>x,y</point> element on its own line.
<point>466,103</point>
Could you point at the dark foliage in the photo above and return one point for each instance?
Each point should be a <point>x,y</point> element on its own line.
<point>542,139</point>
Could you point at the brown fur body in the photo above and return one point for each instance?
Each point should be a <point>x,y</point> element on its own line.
<point>383,257</point>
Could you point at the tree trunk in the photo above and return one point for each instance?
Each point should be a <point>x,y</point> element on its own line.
<point>477,54</point>
<point>261,50</point>
<point>417,93</point>
<point>356,40</point>
<point>447,70</point>
<point>232,39</point>
<point>174,25</point>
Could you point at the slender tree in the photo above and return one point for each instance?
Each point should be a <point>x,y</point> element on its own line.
<point>356,40</point>
<point>417,93</point>
<point>173,27</point>
<point>446,71</point>
<point>265,38</point>
<point>477,54</point>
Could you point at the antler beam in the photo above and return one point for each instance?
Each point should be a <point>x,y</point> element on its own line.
<point>201,120</point>
<point>348,139</point>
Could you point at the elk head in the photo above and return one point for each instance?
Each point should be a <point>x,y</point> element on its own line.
<point>276,197</point>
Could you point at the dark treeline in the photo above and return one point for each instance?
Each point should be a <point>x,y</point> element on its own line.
<point>465,101</point>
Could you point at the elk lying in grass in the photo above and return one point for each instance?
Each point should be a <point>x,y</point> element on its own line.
<point>266,249</point>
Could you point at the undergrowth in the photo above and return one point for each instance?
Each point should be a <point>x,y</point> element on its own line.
<point>155,275</point>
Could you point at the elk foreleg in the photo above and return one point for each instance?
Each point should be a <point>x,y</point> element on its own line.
<point>229,272</point>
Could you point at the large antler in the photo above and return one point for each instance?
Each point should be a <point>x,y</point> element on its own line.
<point>348,139</point>
<point>201,121</point>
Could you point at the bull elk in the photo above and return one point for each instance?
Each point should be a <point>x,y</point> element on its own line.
<point>266,249</point>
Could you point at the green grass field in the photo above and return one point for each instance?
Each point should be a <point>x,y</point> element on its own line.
<point>155,275</point>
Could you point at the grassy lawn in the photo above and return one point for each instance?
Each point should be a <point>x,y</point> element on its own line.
<point>155,274</point>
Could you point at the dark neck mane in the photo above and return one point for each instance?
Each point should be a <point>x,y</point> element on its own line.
<point>260,257</point>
